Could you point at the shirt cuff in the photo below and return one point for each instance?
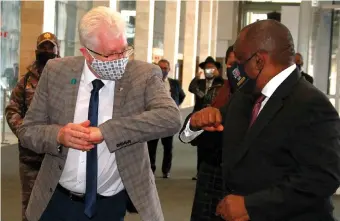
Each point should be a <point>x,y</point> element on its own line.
<point>188,135</point>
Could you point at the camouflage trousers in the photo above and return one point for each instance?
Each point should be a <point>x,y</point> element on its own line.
<point>29,165</point>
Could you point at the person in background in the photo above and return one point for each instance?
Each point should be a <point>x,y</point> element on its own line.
<point>176,92</point>
<point>209,170</point>
<point>229,61</point>
<point>21,97</point>
<point>92,115</point>
<point>209,91</point>
<point>299,64</point>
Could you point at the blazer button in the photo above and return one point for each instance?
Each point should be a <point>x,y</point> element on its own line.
<point>60,167</point>
<point>51,190</point>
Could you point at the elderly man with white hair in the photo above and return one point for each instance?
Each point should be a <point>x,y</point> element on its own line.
<point>91,116</point>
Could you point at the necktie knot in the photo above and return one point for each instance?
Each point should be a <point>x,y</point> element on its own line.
<point>97,84</point>
<point>260,99</point>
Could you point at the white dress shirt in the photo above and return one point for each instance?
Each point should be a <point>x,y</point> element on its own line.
<point>188,135</point>
<point>73,177</point>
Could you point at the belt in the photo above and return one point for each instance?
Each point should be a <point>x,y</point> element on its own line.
<point>78,197</point>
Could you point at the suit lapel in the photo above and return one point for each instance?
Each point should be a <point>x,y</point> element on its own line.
<point>235,125</point>
<point>72,86</point>
<point>268,112</point>
<point>122,87</point>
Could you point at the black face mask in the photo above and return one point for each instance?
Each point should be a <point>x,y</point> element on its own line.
<point>43,57</point>
<point>241,79</point>
<point>165,74</point>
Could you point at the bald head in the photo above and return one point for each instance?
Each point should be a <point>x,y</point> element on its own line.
<point>271,37</point>
<point>264,49</point>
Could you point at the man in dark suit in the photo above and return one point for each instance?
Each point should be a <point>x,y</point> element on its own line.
<point>299,64</point>
<point>281,143</point>
<point>175,90</point>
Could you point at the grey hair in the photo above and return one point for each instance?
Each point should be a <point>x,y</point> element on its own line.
<point>96,18</point>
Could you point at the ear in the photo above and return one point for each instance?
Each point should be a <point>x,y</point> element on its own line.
<point>260,60</point>
<point>86,54</point>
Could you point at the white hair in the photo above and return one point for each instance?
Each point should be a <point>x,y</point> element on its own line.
<point>97,18</point>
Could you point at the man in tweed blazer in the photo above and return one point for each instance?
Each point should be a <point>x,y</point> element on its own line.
<point>134,107</point>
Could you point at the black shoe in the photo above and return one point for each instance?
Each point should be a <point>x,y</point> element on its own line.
<point>166,175</point>
<point>194,178</point>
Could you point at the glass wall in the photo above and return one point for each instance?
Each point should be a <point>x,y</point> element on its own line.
<point>333,74</point>
<point>9,43</point>
<point>67,16</point>
<point>10,39</point>
<point>128,11</point>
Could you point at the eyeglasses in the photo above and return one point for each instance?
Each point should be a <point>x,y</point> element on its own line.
<point>126,53</point>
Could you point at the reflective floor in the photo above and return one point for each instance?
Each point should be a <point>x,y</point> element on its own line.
<point>176,193</point>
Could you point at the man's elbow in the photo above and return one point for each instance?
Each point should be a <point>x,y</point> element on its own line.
<point>176,120</point>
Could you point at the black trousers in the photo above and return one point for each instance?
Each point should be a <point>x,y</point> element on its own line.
<point>200,156</point>
<point>62,208</point>
<point>208,193</point>
<point>167,157</point>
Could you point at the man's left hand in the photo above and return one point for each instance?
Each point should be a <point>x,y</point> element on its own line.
<point>232,208</point>
<point>96,136</point>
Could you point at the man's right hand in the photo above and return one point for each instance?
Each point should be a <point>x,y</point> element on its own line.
<point>208,119</point>
<point>75,136</point>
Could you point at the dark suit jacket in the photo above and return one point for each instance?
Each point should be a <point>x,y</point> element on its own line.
<point>176,91</point>
<point>308,77</point>
<point>287,165</point>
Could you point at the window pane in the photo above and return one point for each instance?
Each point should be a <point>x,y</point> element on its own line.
<point>334,50</point>
<point>68,14</point>
<point>128,11</point>
<point>332,100</point>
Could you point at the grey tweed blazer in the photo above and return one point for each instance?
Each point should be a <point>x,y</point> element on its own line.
<point>142,111</point>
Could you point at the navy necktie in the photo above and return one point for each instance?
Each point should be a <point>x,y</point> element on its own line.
<point>91,158</point>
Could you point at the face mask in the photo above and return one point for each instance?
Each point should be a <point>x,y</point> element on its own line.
<point>110,70</point>
<point>209,73</point>
<point>165,74</point>
<point>238,75</point>
<point>43,57</point>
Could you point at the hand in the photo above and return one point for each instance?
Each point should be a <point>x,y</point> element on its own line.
<point>232,208</point>
<point>96,136</point>
<point>199,74</point>
<point>75,136</point>
<point>216,72</point>
<point>208,119</point>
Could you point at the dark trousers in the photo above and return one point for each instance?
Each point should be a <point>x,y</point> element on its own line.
<point>200,156</point>
<point>167,157</point>
<point>208,193</point>
<point>29,166</point>
<point>62,208</point>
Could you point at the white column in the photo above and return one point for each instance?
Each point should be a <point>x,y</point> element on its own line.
<point>305,26</point>
<point>205,31</point>
<point>214,28</point>
<point>114,4</point>
<point>144,30</point>
<point>190,49</point>
<point>171,33</point>
<point>49,16</point>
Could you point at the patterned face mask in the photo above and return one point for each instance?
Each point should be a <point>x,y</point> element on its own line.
<point>109,70</point>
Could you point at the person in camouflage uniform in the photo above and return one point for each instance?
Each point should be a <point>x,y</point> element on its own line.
<point>21,97</point>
